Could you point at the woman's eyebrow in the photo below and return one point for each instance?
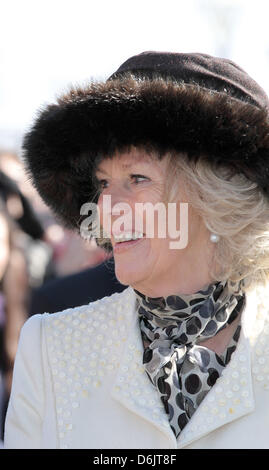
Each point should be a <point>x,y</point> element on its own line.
<point>124,166</point>
<point>100,170</point>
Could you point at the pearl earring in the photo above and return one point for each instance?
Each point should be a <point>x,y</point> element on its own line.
<point>214,238</point>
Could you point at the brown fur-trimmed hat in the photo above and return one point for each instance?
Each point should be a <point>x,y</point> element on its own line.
<point>204,106</point>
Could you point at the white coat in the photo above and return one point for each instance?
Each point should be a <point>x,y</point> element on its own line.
<point>79,382</point>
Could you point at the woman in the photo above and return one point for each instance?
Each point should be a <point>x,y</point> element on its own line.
<point>179,359</point>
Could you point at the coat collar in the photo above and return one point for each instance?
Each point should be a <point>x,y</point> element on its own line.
<point>229,399</point>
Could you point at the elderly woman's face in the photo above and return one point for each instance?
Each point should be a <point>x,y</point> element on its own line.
<point>148,263</point>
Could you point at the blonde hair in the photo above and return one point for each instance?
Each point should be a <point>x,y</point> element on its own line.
<point>232,207</point>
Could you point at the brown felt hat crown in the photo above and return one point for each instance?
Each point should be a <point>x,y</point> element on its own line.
<point>204,106</point>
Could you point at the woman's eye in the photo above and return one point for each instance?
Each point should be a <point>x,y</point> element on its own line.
<point>102,184</point>
<point>136,179</point>
<point>139,178</point>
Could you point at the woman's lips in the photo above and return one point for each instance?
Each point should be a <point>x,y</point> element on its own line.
<point>120,247</point>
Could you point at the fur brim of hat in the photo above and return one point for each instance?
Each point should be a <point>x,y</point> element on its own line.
<point>97,120</point>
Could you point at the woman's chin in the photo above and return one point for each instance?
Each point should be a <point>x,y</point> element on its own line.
<point>129,275</point>
<point>131,263</point>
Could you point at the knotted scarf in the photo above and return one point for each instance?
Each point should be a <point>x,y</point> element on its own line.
<point>173,328</point>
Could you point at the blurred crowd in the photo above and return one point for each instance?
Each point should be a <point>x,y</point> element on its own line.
<point>35,249</point>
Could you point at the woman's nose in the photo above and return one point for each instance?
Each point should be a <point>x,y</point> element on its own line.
<point>113,204</point>
<point>114,196</point>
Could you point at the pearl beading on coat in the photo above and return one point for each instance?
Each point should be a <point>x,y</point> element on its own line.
<point>230,397</point>
<point>84,345</point>
<point>134,389</point>
<point>260,340</point>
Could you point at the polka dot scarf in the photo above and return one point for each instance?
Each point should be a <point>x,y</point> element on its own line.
<point>173,329</point>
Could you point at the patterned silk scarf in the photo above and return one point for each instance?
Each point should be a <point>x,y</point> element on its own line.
<point>173,329</point>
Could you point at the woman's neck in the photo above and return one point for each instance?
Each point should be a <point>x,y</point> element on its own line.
<point>174,287</point>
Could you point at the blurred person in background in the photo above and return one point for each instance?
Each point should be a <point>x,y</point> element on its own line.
<point>4,258</point>
<point>14,299</point>
<point>80,288</point>
<point>24,208</point>
<point>26,262</point>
